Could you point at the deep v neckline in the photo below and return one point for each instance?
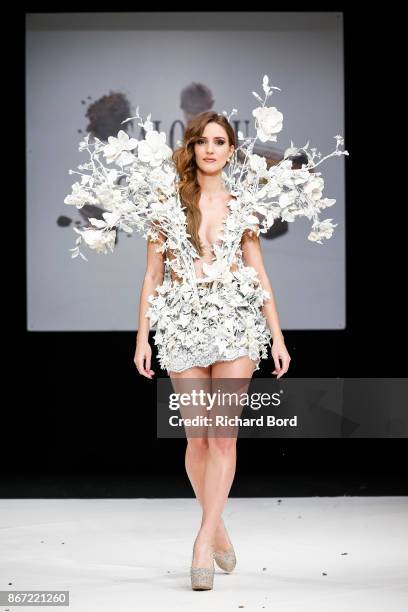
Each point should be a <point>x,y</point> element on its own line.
<point>216,247</point>
<point>224,226</point>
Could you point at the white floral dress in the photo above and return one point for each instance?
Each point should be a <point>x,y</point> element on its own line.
<point>217,317</point>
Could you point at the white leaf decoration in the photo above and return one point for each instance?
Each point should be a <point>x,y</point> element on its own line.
<point>97,222</point>
<point>251,219</point>
<point>257,96</point>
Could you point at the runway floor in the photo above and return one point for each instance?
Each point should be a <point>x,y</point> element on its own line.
<point>326,554</point>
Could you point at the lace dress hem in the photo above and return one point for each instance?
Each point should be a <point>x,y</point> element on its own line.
<point>183,364</point>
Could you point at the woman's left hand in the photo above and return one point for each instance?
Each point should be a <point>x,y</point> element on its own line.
<point>279,351</point>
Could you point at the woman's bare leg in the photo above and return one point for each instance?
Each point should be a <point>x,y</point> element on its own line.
<point>196,455</point>
<point>220,470</point>
<point>197,447</point>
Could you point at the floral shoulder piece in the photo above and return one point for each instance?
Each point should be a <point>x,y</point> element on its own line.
<point>134,181</point>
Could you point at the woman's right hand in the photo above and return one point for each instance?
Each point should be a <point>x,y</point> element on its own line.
<point>142,358</point>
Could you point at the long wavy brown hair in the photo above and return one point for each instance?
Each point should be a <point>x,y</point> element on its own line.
<point>184,160</point>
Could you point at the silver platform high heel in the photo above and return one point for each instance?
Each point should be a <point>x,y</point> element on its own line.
<point>202,578</point>
<point>226,560</point>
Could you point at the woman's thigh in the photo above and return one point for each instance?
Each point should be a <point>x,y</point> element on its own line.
<point>242,367</point>
<point>195,385</point>
<point>230,382</point>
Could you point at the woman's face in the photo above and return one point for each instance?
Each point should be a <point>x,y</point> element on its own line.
<point>212,145</point>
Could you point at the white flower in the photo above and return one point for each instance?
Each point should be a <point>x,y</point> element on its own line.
<point>257,164</point>
<point>313,189</point>
<point>108,195</point>
<point>269,122</point>
<point>163,179</point>
<point>79,196</point>
<point>288,214</point>
<point>125,158</point>
<point>153,149</point>
<point>287,198</point>
<point>251,219</point>
<point>148,125</point>
<point>326,202</point>
<point>158,176</point>
<point>118,146</point>
<point>322,229</point>
<point>300,176</point>
<point>99,240</point>
<point>111,219</point>
<point>217,270</point>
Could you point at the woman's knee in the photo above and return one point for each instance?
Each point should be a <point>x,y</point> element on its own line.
<point>198,445</point>
<point>222,446</point>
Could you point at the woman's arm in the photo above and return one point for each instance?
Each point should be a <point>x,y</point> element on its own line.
<point>252,256</point>
<point>154,275</point>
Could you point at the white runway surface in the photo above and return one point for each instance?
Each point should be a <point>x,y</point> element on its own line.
<point>130,555</point>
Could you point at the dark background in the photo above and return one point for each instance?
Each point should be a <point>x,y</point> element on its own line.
<point>79,421</point>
